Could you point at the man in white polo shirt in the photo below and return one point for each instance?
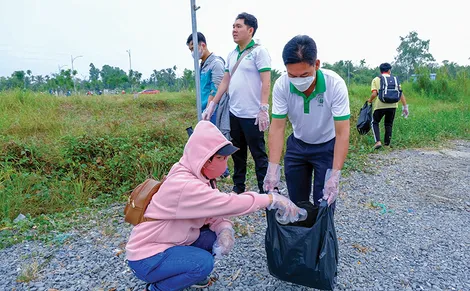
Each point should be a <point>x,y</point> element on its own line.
<point>317,104</point>
<point>248,72</point>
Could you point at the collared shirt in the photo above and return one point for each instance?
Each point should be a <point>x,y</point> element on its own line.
<point>312,117</point>
<point>375,86</point>
<point>245,84</point>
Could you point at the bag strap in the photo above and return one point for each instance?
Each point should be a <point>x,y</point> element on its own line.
<point>247,51</point>
<point>145,219</point>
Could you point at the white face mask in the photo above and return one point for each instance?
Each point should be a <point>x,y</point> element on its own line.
<point>199,49</point>
<point>302,83</point>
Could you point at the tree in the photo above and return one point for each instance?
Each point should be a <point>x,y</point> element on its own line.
<point>187,80</point>
<point>113,77</point>
<point>275,74</point>
<point>413,52</point>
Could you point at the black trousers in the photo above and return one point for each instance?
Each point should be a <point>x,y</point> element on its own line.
<point>245,134</point>
<point>389,114</point>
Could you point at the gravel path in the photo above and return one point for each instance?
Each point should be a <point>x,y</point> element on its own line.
<point>403,226</point>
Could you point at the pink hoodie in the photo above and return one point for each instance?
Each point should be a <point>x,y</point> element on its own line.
<point>186,201</point>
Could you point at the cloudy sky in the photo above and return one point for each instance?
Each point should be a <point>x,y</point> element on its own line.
<point>42,35</point>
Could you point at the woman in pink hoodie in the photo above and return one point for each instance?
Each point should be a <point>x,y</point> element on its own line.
<point>176,250</point>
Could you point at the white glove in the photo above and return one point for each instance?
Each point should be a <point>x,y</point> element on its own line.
<point>287,211</point>
<point>273,175</point>
<point>207,113</point>
<point>224,243</point>
<point>331,188</point>
<point>262,120</point>
<point>404,111</point>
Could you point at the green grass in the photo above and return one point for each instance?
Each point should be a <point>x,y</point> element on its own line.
<point>61,156</point>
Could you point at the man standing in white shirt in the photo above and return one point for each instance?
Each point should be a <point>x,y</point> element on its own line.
<point>317,104</point>
<point>248,72</point>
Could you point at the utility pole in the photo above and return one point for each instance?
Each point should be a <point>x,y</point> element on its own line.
<point>73,78</point>
<point>196,59</point>
<point>130,70</point>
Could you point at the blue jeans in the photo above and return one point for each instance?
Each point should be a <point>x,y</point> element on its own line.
<point>300,161</point>
<point>178,267</point>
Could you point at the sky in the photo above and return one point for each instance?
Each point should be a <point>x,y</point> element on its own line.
<point>43,35</point>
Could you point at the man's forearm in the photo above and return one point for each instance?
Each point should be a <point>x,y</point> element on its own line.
<point>403,99</point>
<point>276,141</point>
<point>373,95</point>
<point>265,88</point>
<point>221,89</point>
<point>341,146</point>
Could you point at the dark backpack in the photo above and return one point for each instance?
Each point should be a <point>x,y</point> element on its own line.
<point>389,91</point>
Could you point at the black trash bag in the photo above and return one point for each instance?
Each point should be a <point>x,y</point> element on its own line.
<point>304,256</point>
<point>312,213</point>
<point>364,121</point>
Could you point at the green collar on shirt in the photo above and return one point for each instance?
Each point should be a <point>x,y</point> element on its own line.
<point>320,87</point>
<point>252,43</point>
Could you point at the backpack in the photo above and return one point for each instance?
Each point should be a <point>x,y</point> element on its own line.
<point>389,91</point>
<point>139,200</point>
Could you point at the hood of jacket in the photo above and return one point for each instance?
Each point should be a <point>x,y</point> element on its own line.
<point>203,143</point>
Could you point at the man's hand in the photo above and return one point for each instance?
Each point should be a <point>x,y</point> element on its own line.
<point>331,188</point>
<point>207,113</point>
<point>404,111</point>
<point>262,120</point>
<point>273,175</point>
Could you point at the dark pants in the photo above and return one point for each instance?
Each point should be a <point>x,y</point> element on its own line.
<point>389,114</point>
<point>245,134</point>
<point>300,160</point>
<point>178,267</point>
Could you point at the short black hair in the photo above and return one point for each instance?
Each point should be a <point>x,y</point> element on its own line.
<point>385,67</point>
<point>249,20</point>
<point>300,49</point>
<point>200,38</point>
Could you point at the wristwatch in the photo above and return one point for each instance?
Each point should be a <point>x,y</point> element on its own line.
<point>264,107</point>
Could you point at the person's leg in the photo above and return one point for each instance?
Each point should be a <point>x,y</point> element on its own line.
<point>206,239</point>
<point>298,171</point>
<point>376,118</point>
<point>239,157</point>
<point>174,269</point>
<point>388,123</point>
<point>321,156</point>
<point>257,146</point>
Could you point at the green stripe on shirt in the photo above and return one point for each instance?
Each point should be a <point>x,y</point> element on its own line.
<point>339,118</point>
<point>279,116</point>
<point>264,70</point>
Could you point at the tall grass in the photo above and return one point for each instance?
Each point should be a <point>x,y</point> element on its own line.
<point>62,153</point>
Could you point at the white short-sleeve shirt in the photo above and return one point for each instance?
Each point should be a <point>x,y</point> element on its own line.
<point>313,116</point>
<point>245,84</point>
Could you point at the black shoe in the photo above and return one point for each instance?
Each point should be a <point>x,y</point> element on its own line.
<point>237,190</point>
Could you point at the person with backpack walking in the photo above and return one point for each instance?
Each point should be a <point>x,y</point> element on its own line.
<point>187,220</point>
<point>248,72</point>
<point>387,92</point>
